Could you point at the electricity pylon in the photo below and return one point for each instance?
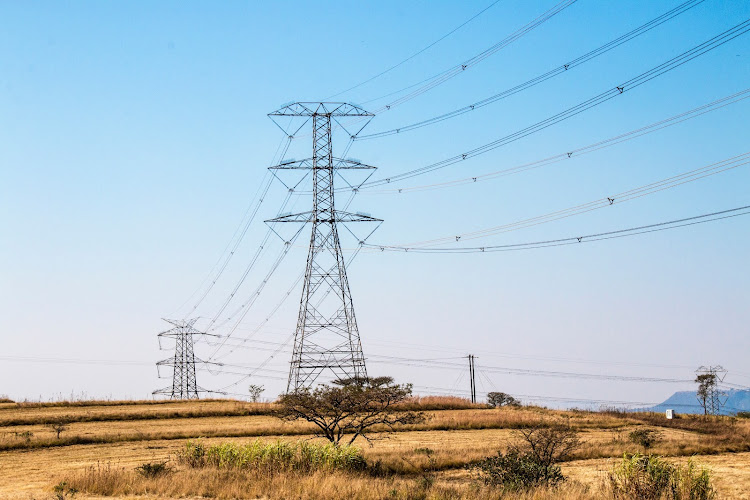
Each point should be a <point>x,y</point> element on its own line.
<point>184,383</point>
<point>710,377</point>
<point>327,337</point>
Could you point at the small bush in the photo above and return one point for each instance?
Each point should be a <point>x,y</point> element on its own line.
<point>743,414</point>
<point>516,471</point>
<point>424,451</point>
<point>650,477</point>
<point>63,491</point>
<point>644,437</point>
<point>271,457</point>
<point>25,435</point>
<point>153,469</point>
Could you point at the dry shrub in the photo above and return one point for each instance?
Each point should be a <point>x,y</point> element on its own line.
<point>533,462</point>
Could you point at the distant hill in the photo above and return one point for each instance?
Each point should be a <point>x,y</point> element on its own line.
<point>686,402</point>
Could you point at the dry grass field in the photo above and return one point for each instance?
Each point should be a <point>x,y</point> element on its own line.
<point>103,444</point>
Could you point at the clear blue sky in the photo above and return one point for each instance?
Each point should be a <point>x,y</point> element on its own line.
<point>133,136</point>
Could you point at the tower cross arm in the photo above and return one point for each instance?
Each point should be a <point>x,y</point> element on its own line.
<point>336,164</point>
<point>339,216</point>
<point>320,108</point>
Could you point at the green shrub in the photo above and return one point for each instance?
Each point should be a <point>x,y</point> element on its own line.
<point>424,451</point>
<point>650,477</point>
<point>63,491</point>
<point>644,437</point>
<point>153,469</point>
<point>270,457</point>
<point>743,414</point>
<point>518,471</point>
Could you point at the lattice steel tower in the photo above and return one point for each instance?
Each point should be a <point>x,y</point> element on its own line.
<point>184,384</point>
<point>715,397</point>
<point>327,337</point>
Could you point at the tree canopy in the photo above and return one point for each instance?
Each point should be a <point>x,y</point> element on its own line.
<point>350,408</point>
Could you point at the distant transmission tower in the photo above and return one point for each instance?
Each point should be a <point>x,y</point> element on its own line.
<point>709,377</point>
<point>184,384</point>
<point>327,337</point>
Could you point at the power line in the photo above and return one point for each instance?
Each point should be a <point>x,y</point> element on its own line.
<point>577,152</point>
<point>239,233</point>
<point>245,307</point>
<point>258,252</point>
<point>416,53</point>
<point>620,89</point>
<point>607,201</point>
<point>633,231</point>
<point>563,68</point>
<point>440,78</point>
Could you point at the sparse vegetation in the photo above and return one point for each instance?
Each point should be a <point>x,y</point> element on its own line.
<point>425,460</point>
<point>650,477</point>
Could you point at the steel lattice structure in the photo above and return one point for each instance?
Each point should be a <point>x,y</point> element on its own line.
<point>715,398</point>
<point>327,336</point>
<point>184,383</point>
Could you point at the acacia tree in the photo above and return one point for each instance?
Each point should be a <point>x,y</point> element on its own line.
<point>706,387</point>
<point>548,445</point>
<point>255,391</point>
<point>498,399</point>
<point>350,407</point>
<point>58,426</point>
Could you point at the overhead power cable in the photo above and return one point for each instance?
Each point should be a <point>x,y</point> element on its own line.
<point>245,307</point>
<point>563,68</point>
<point>529,372</point>
<point>645,190</point>
<point>442,77</point>
<point>626,86</point>
<point>621,233</point>
<point>240,232</point>
<point>258,252</point>
<point>416,53</point>
<point>577,152</point>
<point>282,346</point>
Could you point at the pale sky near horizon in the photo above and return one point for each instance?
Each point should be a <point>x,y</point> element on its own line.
<point>134,137</point>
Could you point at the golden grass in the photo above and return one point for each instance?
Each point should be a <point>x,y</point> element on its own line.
<point>441,446</point>
<point>221,484</point>
<point>30,414</point>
